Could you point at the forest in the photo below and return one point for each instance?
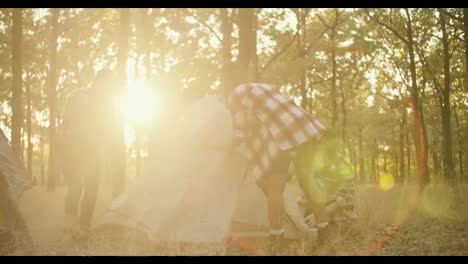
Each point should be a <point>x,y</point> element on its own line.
<point>390,83</point>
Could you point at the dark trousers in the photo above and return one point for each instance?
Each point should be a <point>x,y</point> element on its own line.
<point>83,183</point>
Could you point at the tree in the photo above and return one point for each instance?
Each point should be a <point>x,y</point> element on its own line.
<point>52,97</point>
<point>446,111</point>
<point>16,102</point>
<point>226,16</point>
<point>247,44</point>
<point>333,35</point>
<point>117,153</point>
<point>465,31</point>
<point>407,37</point>
<point>29,127</point>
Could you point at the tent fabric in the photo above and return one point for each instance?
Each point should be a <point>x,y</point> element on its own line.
<point>189,187</point>
<point>15,174</point>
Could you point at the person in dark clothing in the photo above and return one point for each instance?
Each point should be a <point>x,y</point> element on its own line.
<point>82,144</point>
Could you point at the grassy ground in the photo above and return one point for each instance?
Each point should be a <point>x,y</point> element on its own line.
<point>393,222</point>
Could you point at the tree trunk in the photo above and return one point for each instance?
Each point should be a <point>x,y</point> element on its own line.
<point>246,43</point>
<point>435,161</point>
<point>334,117</point>
<point>361,157</point>
<point>385,162</point>
<point>301,39</point>
<point>402,144</point>
<point>22,141</point>
<point>16,105</point>
<point>226,29</point>
<point>253,71</point>
<point>373,166</point>
<point>421,136</point>
<point>141,41</point>
<point>465,33</point>
<point>42,161</point>
<point>408,154</point>
<point>52,98</point>
<point>118,153</point>
<point>460,144</point>
<point>344,114</point>
<point>394,156</point>
<point>446,111</point>
<point>138,147</point>
<point>29,130</point>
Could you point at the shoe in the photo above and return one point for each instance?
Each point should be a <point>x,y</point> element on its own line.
<point>351,214</point>
<point>313,223</point>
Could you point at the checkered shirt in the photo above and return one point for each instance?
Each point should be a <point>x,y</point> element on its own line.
<point>265,123</point>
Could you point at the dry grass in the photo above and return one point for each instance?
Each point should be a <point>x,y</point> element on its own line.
<point>438,225</point>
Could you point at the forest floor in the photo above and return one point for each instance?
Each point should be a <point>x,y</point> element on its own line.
<point>398,221</point>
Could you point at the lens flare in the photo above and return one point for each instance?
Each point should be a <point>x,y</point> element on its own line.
<point>138,103</point>
<point>437,200</point>
<point>386,181</point>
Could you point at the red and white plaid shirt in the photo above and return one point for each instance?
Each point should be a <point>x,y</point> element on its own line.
<point>265,123</point>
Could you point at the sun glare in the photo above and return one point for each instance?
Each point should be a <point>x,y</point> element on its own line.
<point>386,181</point>
<point>138,104</point>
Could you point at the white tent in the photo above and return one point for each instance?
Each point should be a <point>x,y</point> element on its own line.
<point>15,174</point>
<point>188,189</point>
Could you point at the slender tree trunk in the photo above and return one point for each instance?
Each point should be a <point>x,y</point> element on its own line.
<point>140,40</point>
<point>226,29</point>
<point>253,71</point>
<point>465,33</point>
<point>52,98</point>
<point>29,130</point>
<point>362,173</point>
<point>394,156</point>
<point>402,143</point>
<point>344,114</point>
<point>446,111</point>
<point>408,154</point>
<point>374,170</point>
<point>138,147</point>
<point>42,161</point>
<point>246,43</point>
<point>421,136</point>
<point>435,161</point>
<point>118,153</point>
<point>16,105</point>
<point>395,167</point>
<point>334,117</point>
<point>22,142</point>
<point>460,144</point>
<point>301,39</point>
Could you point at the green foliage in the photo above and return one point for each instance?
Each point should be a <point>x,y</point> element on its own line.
<point>183,50</point>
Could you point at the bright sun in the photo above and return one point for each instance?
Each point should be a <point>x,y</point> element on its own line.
<point>138,104</point>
